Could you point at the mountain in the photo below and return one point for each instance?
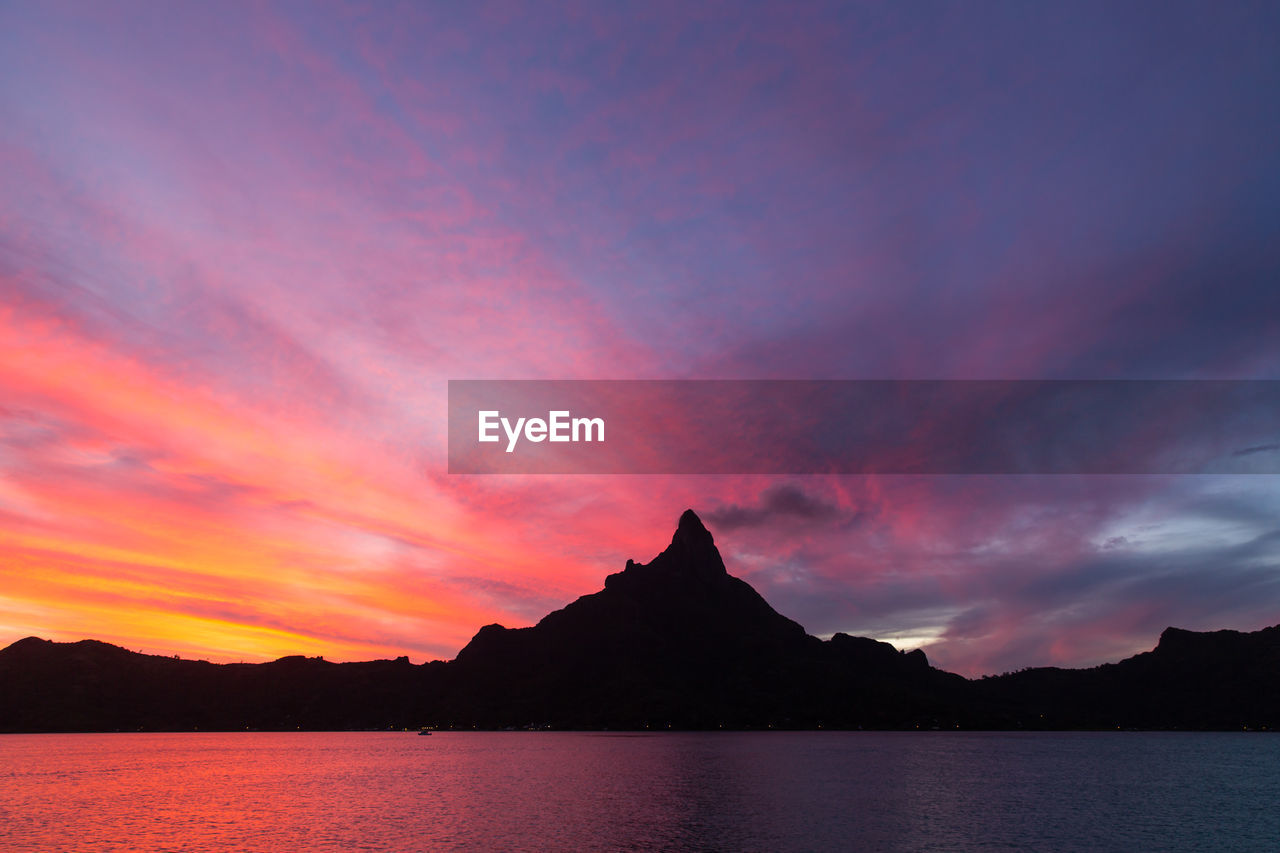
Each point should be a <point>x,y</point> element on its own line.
<point>93,686</point>
<point>680,642</point>
<point>677,642</point>
<point>1220,680</point>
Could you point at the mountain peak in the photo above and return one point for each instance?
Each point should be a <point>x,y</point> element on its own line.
<point>26,645</point>
<point>692,555</point>
<point>692,551</point>
<point>689,517</point>
<point>691,530</point>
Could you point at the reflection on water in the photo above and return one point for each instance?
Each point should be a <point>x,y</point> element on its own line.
<point>716,791</point>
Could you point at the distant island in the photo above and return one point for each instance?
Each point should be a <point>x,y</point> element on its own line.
<point>676,643</point>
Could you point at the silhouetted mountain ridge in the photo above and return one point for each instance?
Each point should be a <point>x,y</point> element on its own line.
<point>1190,680</point>
<point>676,642</point>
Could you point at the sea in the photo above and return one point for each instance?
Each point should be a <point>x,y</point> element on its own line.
<point>768,791</point>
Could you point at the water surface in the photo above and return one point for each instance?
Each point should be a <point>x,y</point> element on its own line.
<point>706,791</point>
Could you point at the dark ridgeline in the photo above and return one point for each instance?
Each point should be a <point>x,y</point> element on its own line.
<point>681,642</point>
<point>678,643</point>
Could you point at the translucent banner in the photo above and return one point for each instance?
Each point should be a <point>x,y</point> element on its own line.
<point>864,427</point>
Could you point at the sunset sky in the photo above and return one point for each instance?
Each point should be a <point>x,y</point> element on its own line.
<point>244,247</point>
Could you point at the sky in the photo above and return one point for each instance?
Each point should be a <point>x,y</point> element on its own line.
<point>243,248</point>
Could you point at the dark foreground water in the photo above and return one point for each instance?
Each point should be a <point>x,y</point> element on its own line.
<point>538,791</point>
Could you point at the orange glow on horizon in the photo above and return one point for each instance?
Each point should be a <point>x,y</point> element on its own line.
<point>241,535</point>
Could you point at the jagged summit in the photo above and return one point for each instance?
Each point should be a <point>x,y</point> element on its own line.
<point>683,592</point>
<point>692,555</point>
<point>691,527</point>
<point>662,638</point>
<point>693,547</point>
